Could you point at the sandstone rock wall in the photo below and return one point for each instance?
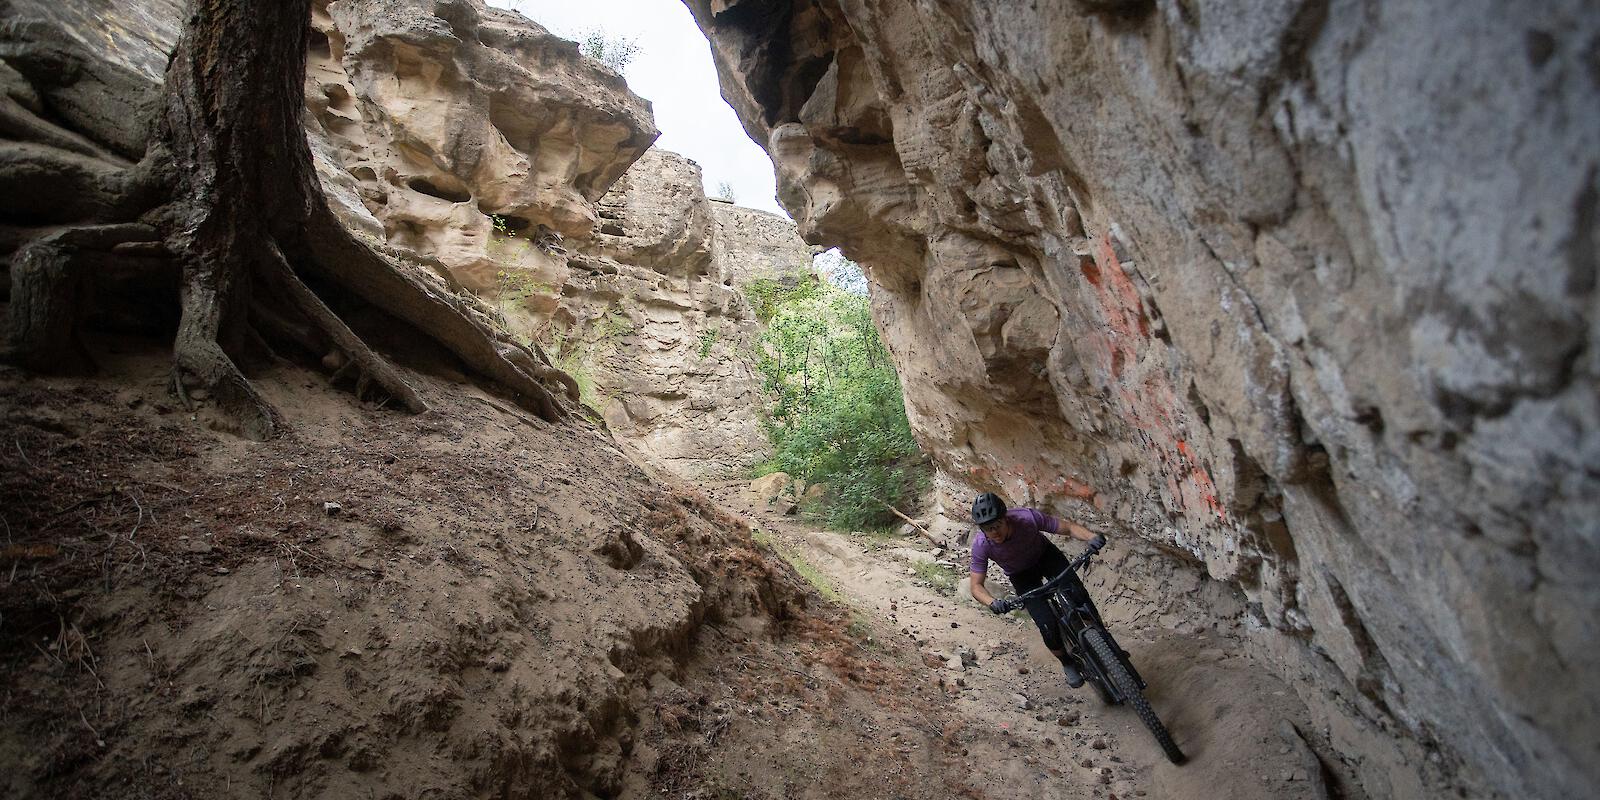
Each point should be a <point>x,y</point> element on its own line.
<point>751,244</point>
<point>1301,294</point>
<point>465,132</point>
<point>475,138</point>
<point>654,316</point>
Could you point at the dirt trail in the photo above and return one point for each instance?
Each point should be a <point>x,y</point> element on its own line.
<point>1024,732</point>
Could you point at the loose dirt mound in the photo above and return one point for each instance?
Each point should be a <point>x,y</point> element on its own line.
<point>469,602</point>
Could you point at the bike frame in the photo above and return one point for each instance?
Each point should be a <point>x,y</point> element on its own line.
<point>1075,617</point>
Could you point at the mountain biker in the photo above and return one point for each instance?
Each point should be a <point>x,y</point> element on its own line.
<point>1015,540</point>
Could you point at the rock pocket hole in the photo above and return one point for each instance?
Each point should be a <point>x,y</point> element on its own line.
<point>507,224</point>
<point>434,190</point>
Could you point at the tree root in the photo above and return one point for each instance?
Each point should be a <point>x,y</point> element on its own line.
<point>379,279</point>
<point>198,362</point>
<point>276,272</point>
<point>47,279</point>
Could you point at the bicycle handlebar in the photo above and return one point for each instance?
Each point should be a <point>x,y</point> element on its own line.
<point>1017,601</point>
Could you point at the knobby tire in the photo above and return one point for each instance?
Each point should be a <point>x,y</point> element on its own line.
<point>1119,675</point>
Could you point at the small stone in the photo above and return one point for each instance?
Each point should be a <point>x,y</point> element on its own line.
<point>331,508</point>
<point>221,570</point>
<point>1021,701</point>
<point>1022,670</point>
<point>1098,744</point>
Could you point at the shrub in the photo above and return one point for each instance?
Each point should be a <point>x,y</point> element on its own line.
<point>836,413</point>
<point>615,52</point>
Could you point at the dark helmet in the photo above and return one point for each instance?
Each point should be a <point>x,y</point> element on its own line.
<point>988,508</point>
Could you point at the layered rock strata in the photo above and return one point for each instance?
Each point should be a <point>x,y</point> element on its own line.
<point>652,314</point>
<point>483,143</point>
<point>1303,296</point>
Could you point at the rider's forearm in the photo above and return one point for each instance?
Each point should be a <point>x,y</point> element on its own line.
<point>980,592</point>
<point>1079,532</point>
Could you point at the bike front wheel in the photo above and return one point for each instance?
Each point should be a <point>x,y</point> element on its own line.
<point>1100,645</point>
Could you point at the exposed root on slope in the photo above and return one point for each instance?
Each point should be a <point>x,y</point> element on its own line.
<point>227,189</point>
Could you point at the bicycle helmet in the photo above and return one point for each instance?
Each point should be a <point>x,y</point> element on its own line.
<point>987,508</point>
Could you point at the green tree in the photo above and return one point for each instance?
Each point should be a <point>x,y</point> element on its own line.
<point>836,415</point>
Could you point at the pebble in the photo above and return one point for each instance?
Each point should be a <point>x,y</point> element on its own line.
<point>1098,744</point>
<point>1022,670</point>
<point>1021,701</point>
<point>331,508</point>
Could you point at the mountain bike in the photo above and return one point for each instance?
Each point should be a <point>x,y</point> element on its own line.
<point>1105,663</point>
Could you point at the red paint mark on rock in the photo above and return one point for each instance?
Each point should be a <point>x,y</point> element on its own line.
<point>1144,398</point>
<point>1091,273</point>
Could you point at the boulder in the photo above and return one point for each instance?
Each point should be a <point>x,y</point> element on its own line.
<point>768,488</point>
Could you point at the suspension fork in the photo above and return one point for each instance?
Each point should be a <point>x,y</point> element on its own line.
<point>1072,620</point>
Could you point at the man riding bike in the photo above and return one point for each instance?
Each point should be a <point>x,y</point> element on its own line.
<point>1015,540</point>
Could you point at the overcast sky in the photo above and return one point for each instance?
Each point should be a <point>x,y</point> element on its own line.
<point>673,71</point>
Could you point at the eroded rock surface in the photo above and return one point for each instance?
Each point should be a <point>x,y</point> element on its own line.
<point>474,138</point>
<point>1303,294</point>
<point>653,314</point>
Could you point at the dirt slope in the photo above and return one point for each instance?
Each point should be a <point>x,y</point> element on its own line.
<point>496,607</point>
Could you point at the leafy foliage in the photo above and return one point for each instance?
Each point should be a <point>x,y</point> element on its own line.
<point>766,295</point>
<point>836,416</point>
<point>725,191</point>
<point>615,52</point>
<point>708,339</point>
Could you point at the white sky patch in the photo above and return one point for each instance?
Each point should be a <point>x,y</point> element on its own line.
<point>673,70</point>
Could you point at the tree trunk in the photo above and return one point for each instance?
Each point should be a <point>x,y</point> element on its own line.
<point>243,210</point>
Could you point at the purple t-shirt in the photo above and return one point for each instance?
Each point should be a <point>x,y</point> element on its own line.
<point>1021,549</point>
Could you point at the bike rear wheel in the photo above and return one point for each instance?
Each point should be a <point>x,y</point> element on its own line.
<point>1100,645</point>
